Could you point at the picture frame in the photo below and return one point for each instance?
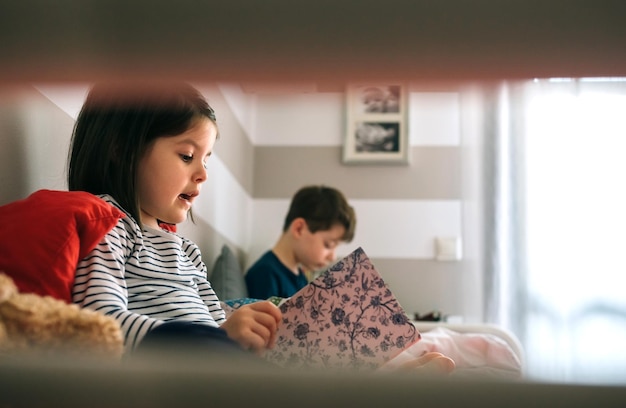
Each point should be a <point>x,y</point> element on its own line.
<point>376,124</point>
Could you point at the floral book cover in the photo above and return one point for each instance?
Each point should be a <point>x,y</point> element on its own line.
<point>347,318</point>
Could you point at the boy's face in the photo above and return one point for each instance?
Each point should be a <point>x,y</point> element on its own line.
<point>317,250</point>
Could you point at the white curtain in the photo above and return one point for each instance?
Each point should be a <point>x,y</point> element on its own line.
<point>555,236</point>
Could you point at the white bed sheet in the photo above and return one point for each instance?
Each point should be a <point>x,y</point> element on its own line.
<point>477,350</point>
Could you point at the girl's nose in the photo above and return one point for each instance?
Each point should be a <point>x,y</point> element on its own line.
<point>201,175</point>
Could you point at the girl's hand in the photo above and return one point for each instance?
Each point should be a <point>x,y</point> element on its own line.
<point>254,326</point>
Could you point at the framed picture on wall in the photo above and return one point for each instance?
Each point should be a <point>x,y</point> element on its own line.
<point>376,130</point>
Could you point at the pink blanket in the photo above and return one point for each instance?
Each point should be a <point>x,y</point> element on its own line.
<point>474,353</point>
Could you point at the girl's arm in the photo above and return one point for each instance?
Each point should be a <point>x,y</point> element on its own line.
<point>99,284</point>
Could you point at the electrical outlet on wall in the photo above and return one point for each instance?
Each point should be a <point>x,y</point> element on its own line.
<point>448,249</point>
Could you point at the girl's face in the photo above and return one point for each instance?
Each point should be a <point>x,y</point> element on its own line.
<point>171,172</point>
<point>317,250</point>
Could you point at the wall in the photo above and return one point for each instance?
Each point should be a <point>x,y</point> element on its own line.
<point>269,134</point>
<point>34,136</point>
<point>401,209</point>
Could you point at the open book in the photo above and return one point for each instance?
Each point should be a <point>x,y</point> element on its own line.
<point>346,318</point>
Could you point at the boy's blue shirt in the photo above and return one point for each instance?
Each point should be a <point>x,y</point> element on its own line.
<point>268,277</point>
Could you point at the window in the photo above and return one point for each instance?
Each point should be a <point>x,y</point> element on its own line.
<point>575,208</point>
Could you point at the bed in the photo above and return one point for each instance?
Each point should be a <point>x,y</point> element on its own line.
<point>478,350</point>
<point>484,350</point>
<point>347,317</point>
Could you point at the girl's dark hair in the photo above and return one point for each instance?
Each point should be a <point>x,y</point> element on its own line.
<point>115,127</point>
<point>322,207</point>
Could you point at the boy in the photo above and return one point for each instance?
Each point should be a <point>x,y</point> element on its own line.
<point>319,219</point>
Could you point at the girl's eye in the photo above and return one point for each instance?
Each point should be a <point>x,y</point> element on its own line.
<point>186,158</point>
<point>204,164</point>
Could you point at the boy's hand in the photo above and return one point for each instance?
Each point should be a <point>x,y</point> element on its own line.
<point>254,326</point>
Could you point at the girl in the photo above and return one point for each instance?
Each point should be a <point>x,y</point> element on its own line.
<point>143,149</point>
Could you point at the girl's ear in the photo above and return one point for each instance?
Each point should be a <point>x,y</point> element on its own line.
<point>298,227</point>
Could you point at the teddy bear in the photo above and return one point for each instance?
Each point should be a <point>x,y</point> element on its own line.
<point>44,326</point>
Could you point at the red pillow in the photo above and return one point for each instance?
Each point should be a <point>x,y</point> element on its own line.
<point>44,236</point>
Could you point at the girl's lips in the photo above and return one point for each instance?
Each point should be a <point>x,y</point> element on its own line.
<point>188,197</point>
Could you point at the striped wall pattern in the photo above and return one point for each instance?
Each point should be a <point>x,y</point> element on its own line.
<point>297,139</point>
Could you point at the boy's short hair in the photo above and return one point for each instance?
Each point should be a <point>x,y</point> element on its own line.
<point>322,207</point>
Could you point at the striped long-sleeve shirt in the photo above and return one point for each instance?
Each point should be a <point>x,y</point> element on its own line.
<point>143,277</point>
